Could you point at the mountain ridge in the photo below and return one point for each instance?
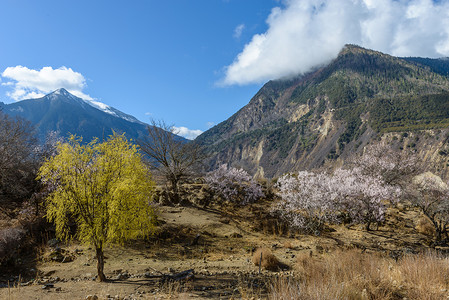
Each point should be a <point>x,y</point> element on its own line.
<point>62,112</point>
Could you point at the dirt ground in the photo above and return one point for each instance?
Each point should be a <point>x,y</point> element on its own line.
<point>217,244</point>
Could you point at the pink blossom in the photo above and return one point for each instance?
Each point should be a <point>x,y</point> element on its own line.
<point>309,199</point>
<point>234,185</point>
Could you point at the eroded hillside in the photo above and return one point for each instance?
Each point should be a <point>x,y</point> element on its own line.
<point>322,117</point>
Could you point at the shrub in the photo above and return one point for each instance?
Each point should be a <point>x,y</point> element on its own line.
<point>288,245</point>
<point>11,239</point>
<point>268,260</point>
<point>425,227</point>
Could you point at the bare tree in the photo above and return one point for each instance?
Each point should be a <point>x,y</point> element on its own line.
<point>172,157</point>
<point>431,195</point>
<point>19,160</point>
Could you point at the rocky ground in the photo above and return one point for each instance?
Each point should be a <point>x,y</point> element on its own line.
<point>216,243</point>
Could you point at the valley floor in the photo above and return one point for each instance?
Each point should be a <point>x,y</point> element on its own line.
<point>216,244</point>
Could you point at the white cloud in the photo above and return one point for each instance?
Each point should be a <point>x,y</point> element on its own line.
<point>238,31</point>
<point>29,83</point>
<point>303,34</point>
<point>210,124</point>
<point>189,134</point>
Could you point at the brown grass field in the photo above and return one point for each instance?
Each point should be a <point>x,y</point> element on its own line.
<point>223,245</point>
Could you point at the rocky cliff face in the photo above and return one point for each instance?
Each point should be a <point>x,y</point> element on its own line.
<point>326,115</point>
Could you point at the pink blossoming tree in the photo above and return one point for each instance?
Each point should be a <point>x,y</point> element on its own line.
<point>234,185</point>
<point>309,199</point>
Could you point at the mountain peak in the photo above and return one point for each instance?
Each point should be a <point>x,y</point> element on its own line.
<point>63,94</point>
<point>62,91</point>
<point>62,112</point>
<point>356,49</point>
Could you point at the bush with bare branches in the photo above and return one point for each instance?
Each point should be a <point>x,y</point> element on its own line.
<point>170,156</point>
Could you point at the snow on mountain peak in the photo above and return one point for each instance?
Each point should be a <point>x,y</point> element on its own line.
<point>101,106</point>
<point>96,104</point>
<point>112,111</point>
<point>62,92</point>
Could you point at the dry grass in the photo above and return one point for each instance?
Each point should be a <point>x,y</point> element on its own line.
<point>250,287</point>
<point>266,259</point>
<point>284,288</point>
<point>288,245</point>
<point>425,227</point>
<point>351,274</point>
<point>426,275</point>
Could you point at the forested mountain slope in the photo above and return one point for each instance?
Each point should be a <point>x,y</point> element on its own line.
<point>326,115</point>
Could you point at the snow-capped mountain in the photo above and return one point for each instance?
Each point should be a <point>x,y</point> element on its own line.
<point>67,114</point>
<point>99,105</point>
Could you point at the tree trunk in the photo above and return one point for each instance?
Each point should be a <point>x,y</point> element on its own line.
<point>175,190</point>
<point>100,264</point>
<point>444,232</point>
<point>36,205</point>
<point>438,231</point>
<point>367,226</point>
<point>438,236</point>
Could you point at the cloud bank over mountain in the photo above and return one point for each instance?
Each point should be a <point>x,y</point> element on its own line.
<point>303,34</point>
<point>28,83</point>
<point>187,133</point>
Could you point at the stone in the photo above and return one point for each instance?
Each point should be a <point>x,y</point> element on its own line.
<point>47,286</point>
<point>225,220</point>
<point>57,256</point>
<point>122,276</point>
<point>67,259</point>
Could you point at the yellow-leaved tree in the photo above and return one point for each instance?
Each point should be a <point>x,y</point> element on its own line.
<point>104,187</point>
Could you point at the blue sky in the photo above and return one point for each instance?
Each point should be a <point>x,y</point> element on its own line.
<point>194,63</point>
<point>158,59</point>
